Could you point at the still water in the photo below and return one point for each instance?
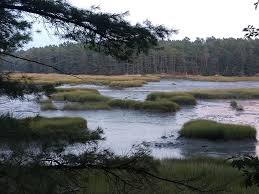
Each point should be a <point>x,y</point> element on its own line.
<point>124,128</point>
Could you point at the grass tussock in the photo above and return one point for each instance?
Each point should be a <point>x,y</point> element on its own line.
<point>235,105</point>
<point>244,93</point>
<point>212,130</point>
<point>71,129</point>
<point>113,81</point>
<point>206,173</point>
<point>180,98</point>
<point>87,106</point>
<point>47,105</point>
<point>79,96</point>
<point>91,90</point>
<point>160,106</point>
<point>127,84</point>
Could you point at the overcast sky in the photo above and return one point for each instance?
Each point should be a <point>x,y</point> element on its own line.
<point>193,18</point>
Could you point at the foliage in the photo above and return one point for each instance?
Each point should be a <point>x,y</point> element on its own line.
<point>216,174</point>
<point>213,130</point>
<point>178,58</point>
<point>110,33</point>
<point>249,166</point>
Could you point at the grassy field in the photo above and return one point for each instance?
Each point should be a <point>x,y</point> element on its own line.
<point>206,173</point>
<point>206,129</point>
<point>122,81</point>
<point>39,128</point>
<point>215,78</point>
<point>245,93</point>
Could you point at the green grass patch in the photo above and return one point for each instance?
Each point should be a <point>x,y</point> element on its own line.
<point>70,129</point>
<point>92,90</point>
<point>47,106</point>
<point>206,173</point>
<point>87,106</point>
<point>244,93</point>
<point>184,100</point>
<point>79,96</point>
<point>127,84</point>
<point>160,106</point>
<point>206,129</point>
<point>180,98</point>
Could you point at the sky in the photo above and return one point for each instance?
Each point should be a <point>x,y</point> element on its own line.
<point>193,18</point>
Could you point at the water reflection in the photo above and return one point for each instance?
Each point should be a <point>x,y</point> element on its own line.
<point>123,128</point>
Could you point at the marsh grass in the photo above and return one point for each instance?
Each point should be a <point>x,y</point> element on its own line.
<point>235,105</point>
<point>244,93</point>
<point>127,84</point>
<point>206,173</point>
<point>206,129</point>
<point>79,96</point>
<point>71,129</point>
<point>180,98</point>
<point>215,78</point>
<point>113,81</point>
<point>91,90</point>
<point>47,105</point>
<point>87,106</point>
<point>159,106</point>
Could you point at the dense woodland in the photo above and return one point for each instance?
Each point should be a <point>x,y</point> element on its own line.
<point>203,56</point>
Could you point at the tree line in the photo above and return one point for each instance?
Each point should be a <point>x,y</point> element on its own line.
<point>210,56</point>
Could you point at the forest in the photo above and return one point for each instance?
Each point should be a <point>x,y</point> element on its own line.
<point>210,56</point>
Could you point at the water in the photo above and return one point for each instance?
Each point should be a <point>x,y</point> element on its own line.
<point>140,93</point>
<point>124,128</point>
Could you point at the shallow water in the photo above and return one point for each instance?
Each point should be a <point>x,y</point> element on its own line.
<point>140,93</point>
<point>123,128</point>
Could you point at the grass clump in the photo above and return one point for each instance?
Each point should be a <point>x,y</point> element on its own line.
<point>127,84</point>
<point>87,106</point>
<point>91,90</point>
<point>206,129</point>
<point>70,129</point>
<point>180,98</point>
<point>245,93</point>
<point>79,96</point>
<point>47,105</point>
<point>236,106</point>
<point>160,106</point>
<point>184,100</point>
